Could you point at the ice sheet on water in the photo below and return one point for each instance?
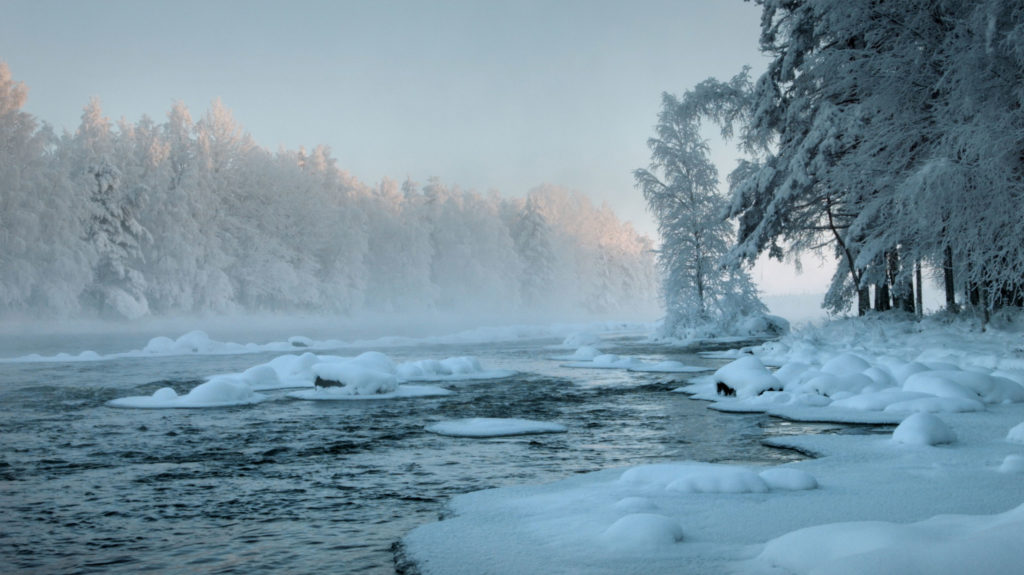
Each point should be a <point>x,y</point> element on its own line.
<point>494,427</point>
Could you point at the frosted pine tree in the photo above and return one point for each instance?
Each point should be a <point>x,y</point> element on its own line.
<point>702,296</point>
<point>118,287</point>
<point>532,237</point>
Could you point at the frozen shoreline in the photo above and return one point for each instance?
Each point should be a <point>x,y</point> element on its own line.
<point>877,498</point>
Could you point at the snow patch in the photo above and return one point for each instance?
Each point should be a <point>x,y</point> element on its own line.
<point>945,544</point>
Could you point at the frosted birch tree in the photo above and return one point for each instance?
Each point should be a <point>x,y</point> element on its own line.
<point>681,188</point>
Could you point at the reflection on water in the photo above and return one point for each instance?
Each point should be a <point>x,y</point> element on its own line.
<point>294,486</point>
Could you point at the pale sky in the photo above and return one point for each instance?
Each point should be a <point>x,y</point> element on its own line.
<point>484,94</point>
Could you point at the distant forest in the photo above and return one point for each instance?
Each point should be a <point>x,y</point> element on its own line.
<point>191,216</point>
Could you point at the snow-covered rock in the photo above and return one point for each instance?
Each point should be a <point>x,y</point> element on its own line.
<point>223,391</point>
<point>747,376</point>
<point>923,429</point>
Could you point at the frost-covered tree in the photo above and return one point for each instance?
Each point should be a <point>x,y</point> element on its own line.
<point>236,227</point>
<point>44,264</point>
<point>681,189</point>
<point>118,288</point>
<point>174,215</point>
<point>890,133</point>
<point>532,237</point>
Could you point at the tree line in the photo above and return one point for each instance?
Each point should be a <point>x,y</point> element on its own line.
<point>888,134</point>
<point>184,216</point>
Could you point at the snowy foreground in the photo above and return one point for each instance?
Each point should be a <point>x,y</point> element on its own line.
<point>941,493</point>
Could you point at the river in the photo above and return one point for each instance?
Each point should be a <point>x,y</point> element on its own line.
<point>290,486</point>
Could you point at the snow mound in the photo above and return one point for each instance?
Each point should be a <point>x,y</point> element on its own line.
<point>923,429</point>
<point>451,369</point>
<point>191,342</point>
<point>367,374</point>
<point>283,372</point>
<point>845,363</point>
<point>1016,433</point>
<point>221,391</point>
<point>724,480</point>
<point>937,405</point>
<point>493,427</point>
<point>747,376</point>
<point>945,544</point>
<point>878,400</point>
<point>355,379</point>
<point>642,531</point>
<point>788,479</point>
<point>934,383</point>
<point>693,477</point>
<point>1012,464</point>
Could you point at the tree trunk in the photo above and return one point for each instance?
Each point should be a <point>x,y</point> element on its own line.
<point>919,294</point>
<point>902,284</point>
<point>863,297</point>
<point>947,278</point>
<point>882,302</point>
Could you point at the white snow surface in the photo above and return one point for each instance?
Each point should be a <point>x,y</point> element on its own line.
<point>923,429</point>
<point>217,392</point>
<point>493,427</point>
<point>941,495</point>
<point>370,375</point>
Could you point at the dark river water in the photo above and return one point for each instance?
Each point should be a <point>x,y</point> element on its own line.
<point>290,486</point>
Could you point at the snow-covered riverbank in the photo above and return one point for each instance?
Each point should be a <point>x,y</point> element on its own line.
<point>941,494</point>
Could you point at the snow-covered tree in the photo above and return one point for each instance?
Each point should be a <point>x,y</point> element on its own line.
<point>681,189</point>
<point>888,131</point>
<point>532,237</point>
<point>118,288</point>
<point>236,227</point>
<point>44,264</point>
